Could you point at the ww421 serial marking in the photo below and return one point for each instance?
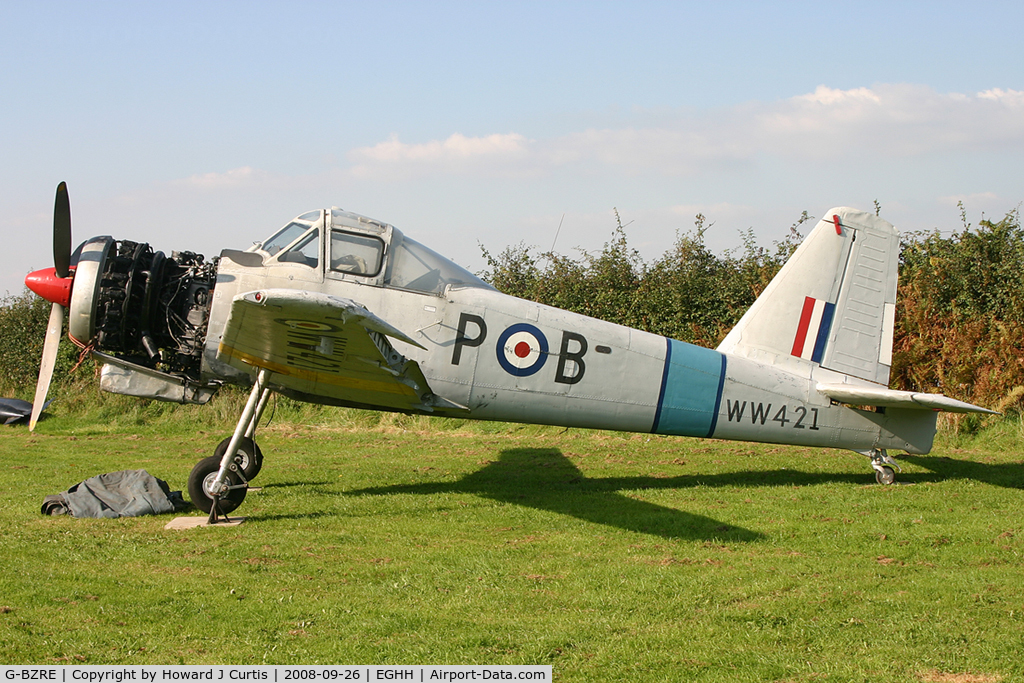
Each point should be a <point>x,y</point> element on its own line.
<point>799,417</point>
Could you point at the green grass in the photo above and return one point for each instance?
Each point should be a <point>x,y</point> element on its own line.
<point>397,540</point>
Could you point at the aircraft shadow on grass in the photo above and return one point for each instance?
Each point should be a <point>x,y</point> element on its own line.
<point>544,479</point>
<point>1005,475</point>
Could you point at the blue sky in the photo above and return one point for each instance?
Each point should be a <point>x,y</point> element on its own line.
<point>207,125</point>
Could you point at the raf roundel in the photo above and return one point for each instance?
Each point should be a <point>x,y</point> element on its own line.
<point>522,350</point>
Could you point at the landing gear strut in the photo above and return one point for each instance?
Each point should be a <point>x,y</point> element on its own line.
<point>218,484</point>
<point>883,465</point>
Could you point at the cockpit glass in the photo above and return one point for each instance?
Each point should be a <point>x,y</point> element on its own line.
<point>284,237</point>
<point>416,267</point>
<point>356,254</point>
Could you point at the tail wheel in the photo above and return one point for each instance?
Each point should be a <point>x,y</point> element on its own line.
<point>200,485</point>
<point>885,475</point>
<point>248,456</point>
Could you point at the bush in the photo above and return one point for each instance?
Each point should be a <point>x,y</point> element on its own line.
<point>960,318</point>
<point>23,321</point>
<point>690,293</point>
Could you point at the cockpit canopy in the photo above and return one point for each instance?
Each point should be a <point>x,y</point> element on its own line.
<point>363,250</point>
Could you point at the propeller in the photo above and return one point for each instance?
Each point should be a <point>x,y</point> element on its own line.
<point>54,286</point>
<point>53,334</point>
<point>62,231</point>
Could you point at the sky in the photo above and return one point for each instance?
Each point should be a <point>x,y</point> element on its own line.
<point>208,125</point>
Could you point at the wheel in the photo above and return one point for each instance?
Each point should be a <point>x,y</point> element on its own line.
<point>248,456</point>
<point>885,475</point>
<point>202,478</point>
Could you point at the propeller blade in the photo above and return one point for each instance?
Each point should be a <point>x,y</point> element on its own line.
<point>62,231</point>
<point>53,335</point>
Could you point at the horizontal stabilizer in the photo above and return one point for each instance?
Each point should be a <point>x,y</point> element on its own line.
<point>870,396</point>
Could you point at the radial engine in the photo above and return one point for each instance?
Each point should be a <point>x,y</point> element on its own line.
<point>142,314</point>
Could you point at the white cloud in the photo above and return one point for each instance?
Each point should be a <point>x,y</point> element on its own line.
<point>242,177</point>
<point>890,121</point>
<point>678,150</point>
<point>883,123</point>
<point>458,153</point>
<point>974,199</point>
<point>1010,97</point>
<point>830,96</point>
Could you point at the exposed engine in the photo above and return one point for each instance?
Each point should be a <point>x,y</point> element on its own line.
<point>153,310</point>
<point>143,316</point>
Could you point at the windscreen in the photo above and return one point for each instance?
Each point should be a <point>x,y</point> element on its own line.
<point>284,237</point>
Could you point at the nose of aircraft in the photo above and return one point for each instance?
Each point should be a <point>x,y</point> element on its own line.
<point>47,284</point>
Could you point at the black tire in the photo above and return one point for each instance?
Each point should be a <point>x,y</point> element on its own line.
<point>206,469</point>
<point>248,456</point>
<point>885,476</point>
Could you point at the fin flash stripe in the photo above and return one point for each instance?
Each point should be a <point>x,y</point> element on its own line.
<point>812,332</point>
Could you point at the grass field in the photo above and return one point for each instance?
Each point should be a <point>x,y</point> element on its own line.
<point>609,556</point>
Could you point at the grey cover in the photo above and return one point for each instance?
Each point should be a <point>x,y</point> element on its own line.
<point>129,493</point>
<point>13,409</point>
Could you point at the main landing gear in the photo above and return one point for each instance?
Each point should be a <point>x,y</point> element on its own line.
<point>883,465</point>
<point>218,484</point>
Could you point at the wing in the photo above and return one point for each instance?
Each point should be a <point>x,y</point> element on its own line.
<point>327,347</point>
<point>871,396</point>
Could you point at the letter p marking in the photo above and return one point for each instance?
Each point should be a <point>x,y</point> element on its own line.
<point>462,339</point>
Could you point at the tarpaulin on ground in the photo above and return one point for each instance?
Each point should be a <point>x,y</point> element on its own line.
<point>14,410</point>
<point>129,493</point>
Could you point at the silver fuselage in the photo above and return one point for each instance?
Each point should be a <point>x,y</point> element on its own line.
<point>581,372</point>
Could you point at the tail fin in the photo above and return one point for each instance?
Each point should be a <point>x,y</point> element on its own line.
<point>833,304</point>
